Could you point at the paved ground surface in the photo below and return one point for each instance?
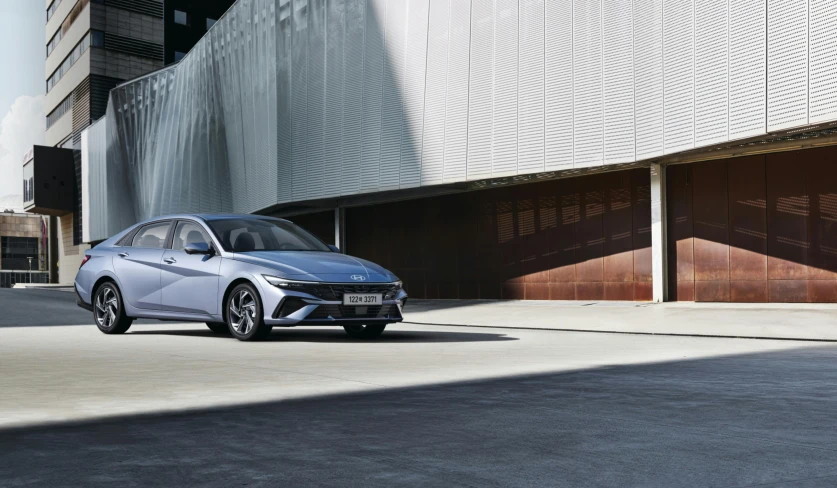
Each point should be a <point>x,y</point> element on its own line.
<point>783,321</point>
<point>173,405</point>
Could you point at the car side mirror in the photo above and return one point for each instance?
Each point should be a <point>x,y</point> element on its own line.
<point>333,248</point>
<point>198,248</point>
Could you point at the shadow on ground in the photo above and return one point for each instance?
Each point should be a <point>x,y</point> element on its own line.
<point>730,421</point>
<point>337,335</point>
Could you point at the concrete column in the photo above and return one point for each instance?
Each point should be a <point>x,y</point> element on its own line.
<point>52,239</point>
<point>659,260</point>
<point>340,229</point>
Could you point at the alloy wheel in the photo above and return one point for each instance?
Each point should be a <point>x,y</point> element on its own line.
<point>243,312</point>
<point>107,308</point>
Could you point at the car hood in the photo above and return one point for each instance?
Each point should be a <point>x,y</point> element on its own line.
<point>316,266</point>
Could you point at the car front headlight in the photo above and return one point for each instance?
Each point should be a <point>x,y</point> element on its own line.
<point>285,283</point>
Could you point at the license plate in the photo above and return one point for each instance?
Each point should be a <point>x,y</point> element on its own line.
<point>362,299</point>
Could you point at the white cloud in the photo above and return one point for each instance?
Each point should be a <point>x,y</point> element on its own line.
<point>22,127</point>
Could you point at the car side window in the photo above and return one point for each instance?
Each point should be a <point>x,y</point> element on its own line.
<point>152,236</point>
<point>188,233</point>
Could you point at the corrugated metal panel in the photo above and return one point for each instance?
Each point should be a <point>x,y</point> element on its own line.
<point>558,92</point>
<point>530,132</point>
<point>456,116</point>
<point>481,93</point>
<point>787,64</point>
<point>353,96</point>
<point>392,111</point>
<point>711,69</point>
<point>334,72</point>
<point>823,62</point>
<point>413,123</point>
<point>433,139</point>
<point>618,60</point>
<point>373,66</point>
<point>299,97</point>
<point>588,129</point>
<point>648,55</point>
<point>284,159</point>
<point>315,177</point>
<point>504,138</point>
<point>747,68</point>
<point>678,71</point>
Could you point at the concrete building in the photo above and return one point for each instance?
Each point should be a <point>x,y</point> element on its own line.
<point>527,149</point>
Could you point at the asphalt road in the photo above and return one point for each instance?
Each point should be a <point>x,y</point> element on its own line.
<point>174,405</point>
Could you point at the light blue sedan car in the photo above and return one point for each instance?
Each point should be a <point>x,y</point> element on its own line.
<point>241,274</point>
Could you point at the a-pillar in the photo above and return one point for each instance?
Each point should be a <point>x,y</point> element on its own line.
<point>340,228</point>
<point>659,260</point>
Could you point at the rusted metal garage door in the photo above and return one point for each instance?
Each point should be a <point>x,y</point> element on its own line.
<point>754,229</point>
<point>585,238</point>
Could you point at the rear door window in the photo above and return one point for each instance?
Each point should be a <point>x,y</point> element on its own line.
<point>152,236</point>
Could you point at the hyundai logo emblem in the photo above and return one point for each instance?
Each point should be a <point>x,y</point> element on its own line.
<point>358,277</point>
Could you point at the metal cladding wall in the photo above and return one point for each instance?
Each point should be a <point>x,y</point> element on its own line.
<point>755,229</point>
<point>293,100</point>
<point>586,238</point>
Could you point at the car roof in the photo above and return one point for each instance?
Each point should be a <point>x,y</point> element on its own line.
<point>209,217</point>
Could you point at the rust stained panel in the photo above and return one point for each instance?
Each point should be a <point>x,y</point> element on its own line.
<point>589,235</point>
<point>618,228</point>
<point>589,291</point>
<point>711,222</point>
<point>643,291</point>
<point>787,219</point>
<point>535,259</point>
<point>712,291</point>
<point>788,291</point>
<point>619,291</point>
<point>748,223</point>
<point>822,291</point>
<point>514,291</point>
<point>562,291</point>
<point>508,239</point>
<point>469,289</point>
<point>680,233</point>
<point>641,221</point>
<point>490,290</point>
<point>748,291</point>
<point>537,291</point>
<point>822,190</point>
<point>562,240</point>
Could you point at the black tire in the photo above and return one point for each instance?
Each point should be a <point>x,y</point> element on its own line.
<point>364,331</point>
<point>240,328</point>
<point>220,328</point>
<point>109,311</point>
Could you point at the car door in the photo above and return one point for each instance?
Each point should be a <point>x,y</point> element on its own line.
<point>190,281</point>
<point>138,266</point>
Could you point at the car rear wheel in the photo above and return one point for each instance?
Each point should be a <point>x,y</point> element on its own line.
<point>244,314</point>
<point>364,331</point>
<point>108,312</point>
<point>219,327</point>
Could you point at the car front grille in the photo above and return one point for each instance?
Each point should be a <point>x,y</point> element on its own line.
<point>337,312</point>
<point>335,292</point>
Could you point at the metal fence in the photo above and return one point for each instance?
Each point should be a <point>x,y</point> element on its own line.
<point>8,279</point>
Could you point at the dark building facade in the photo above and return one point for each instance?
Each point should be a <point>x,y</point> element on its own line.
<point>185,22</point>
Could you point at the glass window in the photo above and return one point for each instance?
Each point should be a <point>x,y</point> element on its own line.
<point>178,55</point>
<point>252,234</point>
<point>152,235</point>
<point>210,23</point>
<point>188,233</point>
<point>181,17</point>
<point>97,38</point>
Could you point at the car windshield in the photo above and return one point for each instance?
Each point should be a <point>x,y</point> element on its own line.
<point>244,235</point>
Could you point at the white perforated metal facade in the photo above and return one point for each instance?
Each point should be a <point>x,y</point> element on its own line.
<point>293,100</point>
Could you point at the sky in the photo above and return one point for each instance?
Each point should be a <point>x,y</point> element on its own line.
<point>22,56</point>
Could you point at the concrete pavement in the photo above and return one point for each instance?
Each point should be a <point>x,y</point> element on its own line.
<point>762,320</point>
<point>172,404</point>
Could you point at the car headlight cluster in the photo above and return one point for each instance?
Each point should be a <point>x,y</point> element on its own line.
<point>284,283</point>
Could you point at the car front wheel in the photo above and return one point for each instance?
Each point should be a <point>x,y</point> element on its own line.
<point>244,314</point>
<point>364,331</point>
<point>108,312</point>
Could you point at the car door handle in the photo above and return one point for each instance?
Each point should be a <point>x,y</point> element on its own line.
<point>169,260</point>
<point>123,255</point>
